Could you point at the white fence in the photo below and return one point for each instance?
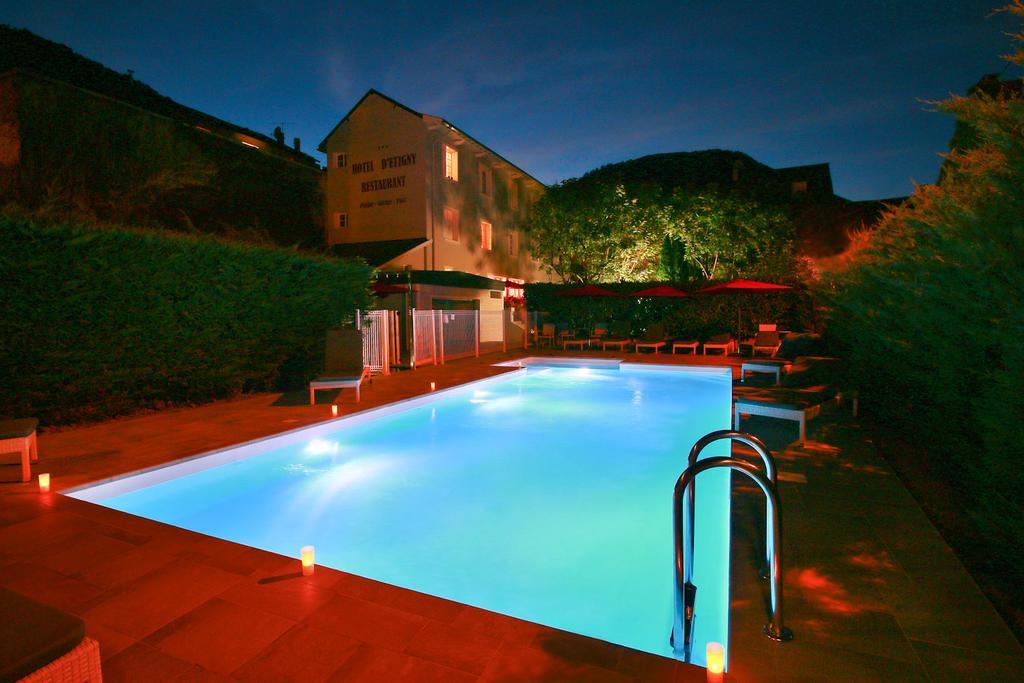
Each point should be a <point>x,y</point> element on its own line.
<point>439,336</point>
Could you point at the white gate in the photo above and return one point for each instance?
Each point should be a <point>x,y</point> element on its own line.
<point>376,327</point>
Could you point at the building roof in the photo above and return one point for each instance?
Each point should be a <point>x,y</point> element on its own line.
<point>23,50</point>
<point>442,278</point>
<point>323,143</point>
<point>376,253</point>
<point>818,175</point>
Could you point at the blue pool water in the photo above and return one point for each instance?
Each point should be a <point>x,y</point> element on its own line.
<point>545,494</point>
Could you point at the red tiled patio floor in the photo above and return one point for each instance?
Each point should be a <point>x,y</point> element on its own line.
<point>873,592</point>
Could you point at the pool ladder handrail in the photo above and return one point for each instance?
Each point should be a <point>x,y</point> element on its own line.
<point>685,590</point>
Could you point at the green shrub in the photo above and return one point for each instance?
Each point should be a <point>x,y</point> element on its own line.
<point>697,317</point>
<point>98,323</point>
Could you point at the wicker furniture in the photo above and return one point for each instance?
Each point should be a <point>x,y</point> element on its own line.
<point>40,643</point>
<point>19,436</point>
<point>81,665</point>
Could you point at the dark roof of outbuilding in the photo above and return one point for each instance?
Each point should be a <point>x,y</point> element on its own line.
<point>376,253</point>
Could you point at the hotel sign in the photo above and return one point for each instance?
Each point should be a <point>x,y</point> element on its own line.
<point>382,164</point>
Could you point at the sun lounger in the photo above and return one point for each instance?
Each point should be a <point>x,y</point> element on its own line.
<point>685,345</point>
<point>720,342</point>
<point>653,338</point>
<point>809,384</point>
<point>773,367</point>
<point>344,368</point>
<point>620,344</point>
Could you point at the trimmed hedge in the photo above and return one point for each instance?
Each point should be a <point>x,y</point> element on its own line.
<point>98,323</point>
<point>698,317</point>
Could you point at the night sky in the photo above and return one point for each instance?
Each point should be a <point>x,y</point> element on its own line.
<point>561,88</point>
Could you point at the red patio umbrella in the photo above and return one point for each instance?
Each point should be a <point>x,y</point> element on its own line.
<point>662,291</point>
<point>742,286</point>
<point>589,290</point>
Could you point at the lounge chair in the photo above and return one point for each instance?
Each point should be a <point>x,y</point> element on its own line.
<point>343,367</point>
<point>685,345</point>
<point>767,342</point>
<point>653,338</point>
<point>768,327</point>
<point>810,383</point>
<point>719,342</point>
<point>619,338</point>
<point>41,643</point>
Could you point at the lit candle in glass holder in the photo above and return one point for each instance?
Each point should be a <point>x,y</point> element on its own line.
<point>433,386</point>
<point>44,482</point>
<point>715,662</point>
<point>334,409</point>
<point>307,560</point>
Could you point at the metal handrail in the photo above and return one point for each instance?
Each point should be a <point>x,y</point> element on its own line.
<point>685,590</point>
<point>770,470</point>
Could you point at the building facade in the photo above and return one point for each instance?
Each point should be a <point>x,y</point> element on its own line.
<point>410,191</point>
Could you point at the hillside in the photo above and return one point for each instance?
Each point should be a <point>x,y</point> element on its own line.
<point>22,49</point>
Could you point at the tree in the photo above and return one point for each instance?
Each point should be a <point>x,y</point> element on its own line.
<point>596,231</point>
<point>726,235</point>
<point>931,316</point>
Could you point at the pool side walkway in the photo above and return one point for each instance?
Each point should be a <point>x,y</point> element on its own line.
<point>873,593</point>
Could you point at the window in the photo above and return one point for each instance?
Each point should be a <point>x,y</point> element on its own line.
<point>485,180</point>
<point>340,159</point>
<point>513,243</point>
<point>485,235</point>
<point>451,163</point>
<point>799,186</point>
<point>341,220</point>
<point>451,225</point>
<point>513,194</point>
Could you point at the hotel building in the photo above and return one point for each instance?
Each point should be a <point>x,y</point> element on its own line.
<point>428,205</point>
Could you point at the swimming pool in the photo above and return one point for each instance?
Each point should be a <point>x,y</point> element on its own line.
<point>544,493</point>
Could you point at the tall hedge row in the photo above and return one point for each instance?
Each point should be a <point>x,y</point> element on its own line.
<point>697,317</point>
<point>100,323</point>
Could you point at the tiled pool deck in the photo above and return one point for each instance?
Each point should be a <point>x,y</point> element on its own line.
<point>873,592</point>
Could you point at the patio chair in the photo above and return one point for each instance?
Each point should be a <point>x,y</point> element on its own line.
<point>653,338</point>
<point>767,327</point>
<point>41,643</point>
<point>547,331</point>
<point>766,342</point>
<point>343,367</point>
<point>19,436</point>
<point>719,342</point>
